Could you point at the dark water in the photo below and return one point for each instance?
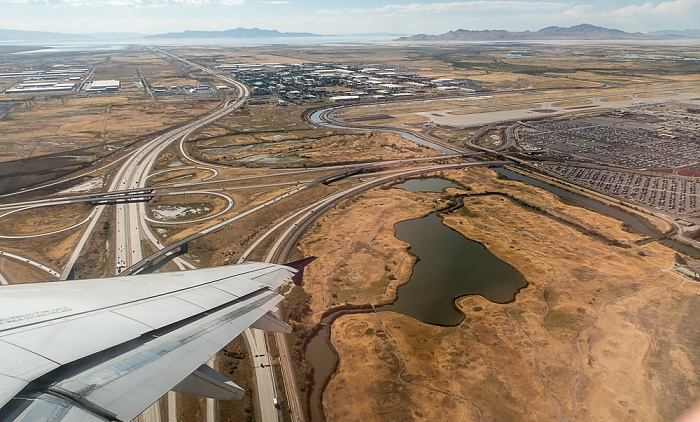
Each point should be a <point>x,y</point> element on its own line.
<point>602,208</point>
<point>449,266</point>
<point>427,185</point>
<point>323,359</point>
<point>590,203</point>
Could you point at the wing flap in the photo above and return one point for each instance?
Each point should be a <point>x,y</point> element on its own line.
<point>160,312</point>
<point>206,382</point>
<point>270,322</point>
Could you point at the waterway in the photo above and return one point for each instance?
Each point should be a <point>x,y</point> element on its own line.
<point>603,208</point>
<point>317,120</point>
<point>323,357</point>
<point>120,43</point>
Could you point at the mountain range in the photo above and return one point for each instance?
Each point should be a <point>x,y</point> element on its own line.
<point>582,32</point>
<point>235,33</point>
<point>695,33</point>
<point>578,32</point>
<point>42,36</point>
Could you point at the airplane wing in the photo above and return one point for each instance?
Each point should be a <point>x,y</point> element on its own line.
<point>106,349</point>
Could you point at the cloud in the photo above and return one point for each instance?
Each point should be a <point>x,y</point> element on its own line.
<point>666,8</point>
<point>277,2</point>
<point>472,6</point>
<point>341,11</point>
<point>671,14</point>
<point>122,3</point>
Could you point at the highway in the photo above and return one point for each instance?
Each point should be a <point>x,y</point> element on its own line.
<point>132,231</point>
<point>134,175</point>
<point>131,227</point>
<point>30,262</point>
<point>161,190</point>
<point>264,373</point>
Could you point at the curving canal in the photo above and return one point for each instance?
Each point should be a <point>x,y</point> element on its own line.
<point>317,119</point>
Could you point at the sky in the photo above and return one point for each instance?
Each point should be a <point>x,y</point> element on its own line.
<point>343,17</point>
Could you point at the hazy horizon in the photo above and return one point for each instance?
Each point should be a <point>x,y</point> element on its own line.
<point>325,18</point>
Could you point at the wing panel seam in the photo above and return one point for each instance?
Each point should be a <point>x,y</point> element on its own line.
<point>144,299</point>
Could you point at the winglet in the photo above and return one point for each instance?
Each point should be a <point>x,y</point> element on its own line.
<point>299,266</point>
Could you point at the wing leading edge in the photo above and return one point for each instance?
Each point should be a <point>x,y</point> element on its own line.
<point>106,349</point>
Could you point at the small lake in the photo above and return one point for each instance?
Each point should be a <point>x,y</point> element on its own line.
<point>432,184</point>
<point>449,266</point>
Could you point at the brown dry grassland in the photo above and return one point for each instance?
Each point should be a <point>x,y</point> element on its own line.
<point>600,333</point>
<point>50,126</point>
<point>15,270</point>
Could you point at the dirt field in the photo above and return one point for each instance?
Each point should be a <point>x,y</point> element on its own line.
<point>48,136</point>
<point>316,150</point>
<point>601,333</point>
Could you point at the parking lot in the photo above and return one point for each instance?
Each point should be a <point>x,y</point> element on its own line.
<point>674,194</point>
<point>630,140</point>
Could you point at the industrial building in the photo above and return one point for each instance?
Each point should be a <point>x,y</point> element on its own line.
<point>32,87</point>
<point>103,86</point>
<point>345,98</point>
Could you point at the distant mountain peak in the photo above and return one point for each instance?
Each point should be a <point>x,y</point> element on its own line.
<point>583,31</point>
<point>35,36</point>
<point>695,33</point>
<point>234,33</point>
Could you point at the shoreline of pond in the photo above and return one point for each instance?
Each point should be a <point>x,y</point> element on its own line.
<point>629,217</point>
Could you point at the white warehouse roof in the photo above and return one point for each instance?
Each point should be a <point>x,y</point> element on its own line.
<point>106,85</point>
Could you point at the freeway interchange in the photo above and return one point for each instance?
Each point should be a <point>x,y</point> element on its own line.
<point>130,188</point>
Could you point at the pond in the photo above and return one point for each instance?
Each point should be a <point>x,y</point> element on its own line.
<point>449,266</point>
<point>432,184</point>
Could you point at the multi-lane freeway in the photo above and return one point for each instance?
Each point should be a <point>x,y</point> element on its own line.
<point>129,183</point>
